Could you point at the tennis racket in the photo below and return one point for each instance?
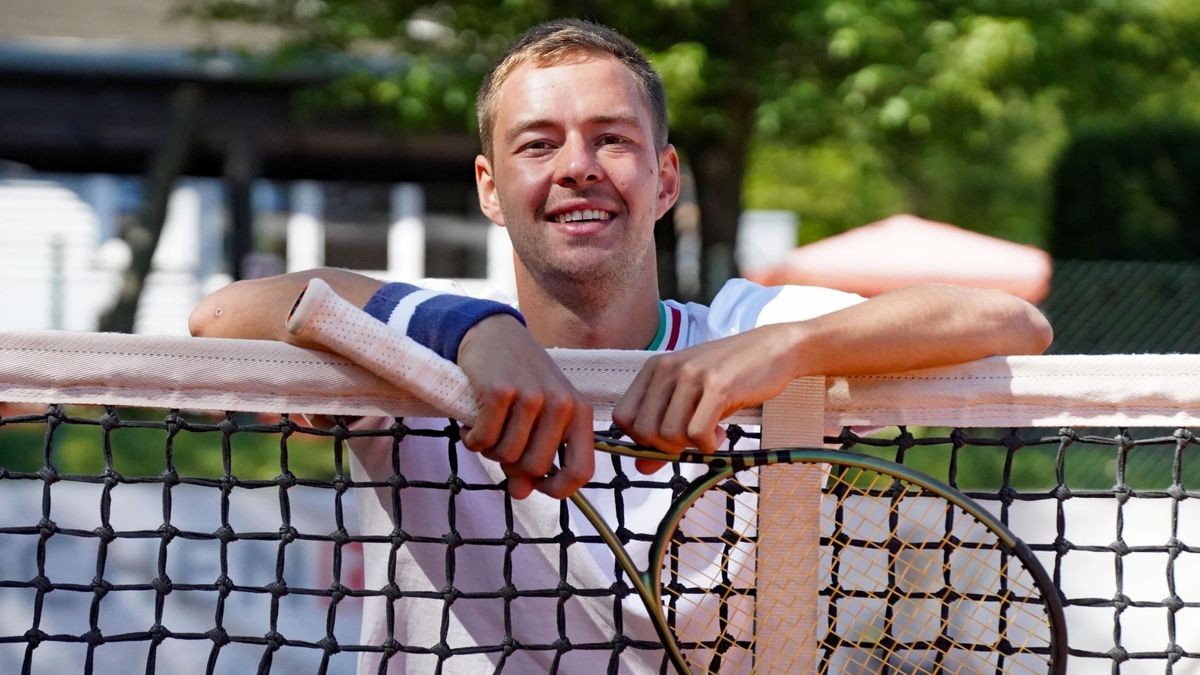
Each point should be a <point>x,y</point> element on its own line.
<point>911,576</point>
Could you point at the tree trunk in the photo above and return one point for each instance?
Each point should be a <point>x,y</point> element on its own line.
<point>719,165</point>
<point>242,160</point>
<point>665,244</point>
<point>717,154</point>
<point>143,232</point>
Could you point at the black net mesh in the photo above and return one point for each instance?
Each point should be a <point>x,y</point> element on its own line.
<point>1106,510</point>
<point>186,542</point>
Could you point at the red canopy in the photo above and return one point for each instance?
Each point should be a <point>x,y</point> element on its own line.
<point>905,250</point>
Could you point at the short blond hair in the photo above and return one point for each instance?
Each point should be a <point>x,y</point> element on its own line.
<point>558,41</point>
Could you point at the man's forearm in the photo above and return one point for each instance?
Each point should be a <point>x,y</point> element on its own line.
<point>918,327</point>
<point>257,309</point>
<point>678,399</point>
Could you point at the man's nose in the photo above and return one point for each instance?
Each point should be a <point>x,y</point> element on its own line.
<point>577,164</point>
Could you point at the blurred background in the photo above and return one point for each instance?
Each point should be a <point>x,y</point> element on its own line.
<point>151,151</point>
<point>154,150</point>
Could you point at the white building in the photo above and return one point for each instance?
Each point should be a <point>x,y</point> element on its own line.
<point>61,258</point>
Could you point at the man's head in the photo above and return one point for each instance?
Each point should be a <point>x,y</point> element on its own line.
<point>576,165</point>
<point>560,41</point>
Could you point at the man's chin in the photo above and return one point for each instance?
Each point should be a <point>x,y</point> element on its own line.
<point>577,271</point>
<point>585,266</point>
<point>579,262</point>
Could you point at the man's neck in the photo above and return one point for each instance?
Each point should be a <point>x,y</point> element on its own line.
<point>625,318</point>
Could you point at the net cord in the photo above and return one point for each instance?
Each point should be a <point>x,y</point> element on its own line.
<point>1147,390</point>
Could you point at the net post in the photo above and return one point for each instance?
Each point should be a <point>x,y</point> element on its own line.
<point>787,627</point>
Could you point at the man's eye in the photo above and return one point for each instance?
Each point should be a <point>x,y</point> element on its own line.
<point>611,140</point>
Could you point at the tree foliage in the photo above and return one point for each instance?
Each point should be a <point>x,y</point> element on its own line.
<point>842,110</point>
<point>1128,194</point>
<point>962,108</point>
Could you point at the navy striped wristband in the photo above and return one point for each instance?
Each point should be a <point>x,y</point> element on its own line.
<point>437,320</point>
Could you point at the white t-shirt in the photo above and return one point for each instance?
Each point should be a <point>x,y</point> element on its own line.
<point>479,515</point>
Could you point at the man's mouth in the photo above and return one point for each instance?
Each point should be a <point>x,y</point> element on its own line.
<point>583,215</point>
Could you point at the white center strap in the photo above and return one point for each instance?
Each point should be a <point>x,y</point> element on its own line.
<point>795,418</point>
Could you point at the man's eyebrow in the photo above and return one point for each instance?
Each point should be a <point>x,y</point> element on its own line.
<point>616,118</point>
<point>526,125</point>
<point>523,126</point>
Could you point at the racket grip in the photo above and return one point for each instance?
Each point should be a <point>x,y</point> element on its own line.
<point>323,317</point>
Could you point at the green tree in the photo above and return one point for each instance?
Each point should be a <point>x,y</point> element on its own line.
<point>961,109</point>
<point>1128,193</point>
<point>952,110</point>
<point>718,59</point>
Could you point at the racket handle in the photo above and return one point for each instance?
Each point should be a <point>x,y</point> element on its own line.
<point>325,318</point>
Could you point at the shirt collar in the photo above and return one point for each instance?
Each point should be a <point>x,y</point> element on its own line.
<point>669,324</point>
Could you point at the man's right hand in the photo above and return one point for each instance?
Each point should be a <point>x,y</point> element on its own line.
<point>528,409</point>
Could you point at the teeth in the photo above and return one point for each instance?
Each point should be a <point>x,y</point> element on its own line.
<point>584,214</point>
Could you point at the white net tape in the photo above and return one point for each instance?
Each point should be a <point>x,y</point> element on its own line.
<point>262,376</point>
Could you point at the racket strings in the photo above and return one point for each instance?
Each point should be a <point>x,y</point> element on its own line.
<point>918,585</point>
<point>909,583</point>
<point>709,579</point>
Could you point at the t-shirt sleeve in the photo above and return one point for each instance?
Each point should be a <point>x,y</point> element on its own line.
<point>742,305</point>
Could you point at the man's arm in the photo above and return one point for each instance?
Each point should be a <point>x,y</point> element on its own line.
<point>678,399</point>
<point>528,407</point>
<point>257,309</point>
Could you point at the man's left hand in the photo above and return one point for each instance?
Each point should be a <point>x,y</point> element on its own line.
<point>678,399</point>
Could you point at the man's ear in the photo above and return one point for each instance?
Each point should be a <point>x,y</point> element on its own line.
<point>485,185</point>
<point>668,180</point>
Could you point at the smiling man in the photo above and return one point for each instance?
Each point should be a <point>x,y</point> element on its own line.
<point>577,166</point>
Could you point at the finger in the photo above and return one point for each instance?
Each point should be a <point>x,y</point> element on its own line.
<point>648,466</point>
<point>483,436</point>
<point>579,457</point>
<point>704,423</point>
<point>520,486</point>
<point>720,435</point>
<point>646,428</point>
<point>547,434</point>
<point>514,439</point>
<point>626,410</point>
<point>676,421</point>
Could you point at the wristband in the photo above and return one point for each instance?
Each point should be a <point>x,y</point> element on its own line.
<point>436,320</point>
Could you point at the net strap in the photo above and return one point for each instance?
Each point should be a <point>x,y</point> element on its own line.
<point>794,418</point>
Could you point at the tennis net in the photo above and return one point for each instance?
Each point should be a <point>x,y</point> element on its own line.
<point>179,505</point>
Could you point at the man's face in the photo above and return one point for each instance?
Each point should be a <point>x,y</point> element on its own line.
<point>575,175</point>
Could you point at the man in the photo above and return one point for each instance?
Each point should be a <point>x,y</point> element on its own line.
<point>577,166</point>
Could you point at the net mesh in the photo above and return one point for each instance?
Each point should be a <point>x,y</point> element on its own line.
<point>147,535</point>
<point>120,548</point>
